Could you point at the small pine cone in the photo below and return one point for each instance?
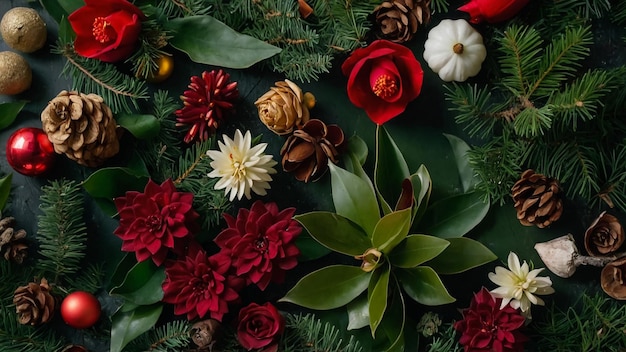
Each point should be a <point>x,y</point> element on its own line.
<point>284,108</point>
<point>537,199</point>
<point>82,127</point>
<point>13,244</point>
<point>34,304</point>
<point>307,151</point>
<point>398,20</point>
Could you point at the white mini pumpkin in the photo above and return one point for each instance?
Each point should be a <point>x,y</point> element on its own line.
<point>454,50</point>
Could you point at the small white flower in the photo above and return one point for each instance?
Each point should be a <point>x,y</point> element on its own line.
<point>519,285</point>
<point>241,167</point>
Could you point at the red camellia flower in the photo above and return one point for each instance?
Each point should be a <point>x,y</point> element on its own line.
<point>382,79</point>
<point>492,11</point>
<point>156,221</point>
<point>486,327</point>
<point>260,327</point>
<point>261,242</point>
<point>198,285</point>
<point>106,30</point>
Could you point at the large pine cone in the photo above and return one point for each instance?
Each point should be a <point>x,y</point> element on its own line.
<point>283,108</point>
<point>537,199</point>
<point>34,304</point>
<point>82,127</point>
<point>13,244</point>
<point>398,20</point>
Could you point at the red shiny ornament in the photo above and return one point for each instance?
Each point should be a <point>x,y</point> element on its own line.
<point>80,310</point>
<point>492,11</point>
<point>30,152</point>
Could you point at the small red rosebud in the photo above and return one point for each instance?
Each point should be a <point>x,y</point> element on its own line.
<point>492,11</point>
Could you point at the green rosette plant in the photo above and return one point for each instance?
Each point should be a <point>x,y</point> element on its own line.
<point>403,242</point>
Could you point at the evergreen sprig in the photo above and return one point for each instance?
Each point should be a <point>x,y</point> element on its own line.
<point>306,333</point>
<point>151,40</point>
<point>445,341</point>
<point>15,337</point>
<point>171,337</point>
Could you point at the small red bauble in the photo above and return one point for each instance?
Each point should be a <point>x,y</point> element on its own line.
<point>30,152</point>
<point>80,310</point>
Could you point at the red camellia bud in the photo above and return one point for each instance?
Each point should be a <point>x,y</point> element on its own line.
<point>492,11</point>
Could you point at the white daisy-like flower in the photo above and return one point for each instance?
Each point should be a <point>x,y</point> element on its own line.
<point>241,167</point>
<point>519,285</point>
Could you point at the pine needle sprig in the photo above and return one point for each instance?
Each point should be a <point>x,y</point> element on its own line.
<point>183,8</point>
<point>90,279</point>
<point>15,337</point>
<point>439,6</point>
<point>62,233</point>
<point>13,275</point>
<point>307,333</point>
<point>171,337</point>
<point>151,40</point>
<point>475,108</point>
<point>445,341</point>
<point>520,48</point>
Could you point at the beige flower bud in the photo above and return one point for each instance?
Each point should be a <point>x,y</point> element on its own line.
<point>370,259</point>
<point>283,108</point>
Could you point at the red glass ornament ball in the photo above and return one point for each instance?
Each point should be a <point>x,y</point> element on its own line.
<point>80,310</point>
<point>30,152</point>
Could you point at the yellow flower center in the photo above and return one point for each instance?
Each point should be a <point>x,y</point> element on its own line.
<point>238,168</point>
<point>385,86</point>
<point>102,30</point>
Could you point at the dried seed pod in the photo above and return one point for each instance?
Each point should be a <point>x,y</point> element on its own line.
<point>284,107</point>
<point>613,279</point>
<point>604,236</point>
<point>205,333</point>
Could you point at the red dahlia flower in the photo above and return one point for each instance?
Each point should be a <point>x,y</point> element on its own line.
<point>198,285</point>
<point>206,103</point>
<point>261,242</point>
<point>153,222</point>
<point>492,11</point>
<point>260,327</point>
<point>486,327</point>
<point>106,30</point>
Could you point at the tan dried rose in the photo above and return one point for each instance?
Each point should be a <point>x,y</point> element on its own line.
<point>284,107</point>
<point>205,333</point>
<point>604,236</point>
<point>613,277</point>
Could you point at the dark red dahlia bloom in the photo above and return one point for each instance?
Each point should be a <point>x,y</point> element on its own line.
<point>261,242</point>
<point>156,221</point>
<point>486,327</point>
<point>260,326</point>
<point>206,103</point>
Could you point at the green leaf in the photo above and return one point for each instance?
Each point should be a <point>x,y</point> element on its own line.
<point>335,232</point>
<point>417,249</point>
<point>357,147</point>
<point>377,295</point>
<point>391,230</point>
<point>329,287</point>
<point>141,126</point>
<point>310,249</point>
<point>66,32</point>
<point>394,320</point>
<point>358,313</point>
<point>127,325</point>
<point>424,286</point>
<point>469,179</point>
<point>462,254</point>
<point>9,111</point>
<point>142,284</point>
<point>422,186</point>
<point>112,182</point>
<point>456,215</point>
<point>5,189</point>
<point>390,169</point>
<point>209,41</point>
<point>61,8</point>
<point>353,198</point>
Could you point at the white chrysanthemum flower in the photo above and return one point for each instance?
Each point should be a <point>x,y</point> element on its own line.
<point>519,285</point>
<point>241,167</point>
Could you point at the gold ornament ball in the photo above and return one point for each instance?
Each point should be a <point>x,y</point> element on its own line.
<point>23,29</point>
<point>165,68</point>
<point>15,73</point>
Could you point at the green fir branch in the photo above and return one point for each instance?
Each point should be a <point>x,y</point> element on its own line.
<point>475,108</point>
<point>439,6</point>
<point>151,40</point>
<point>445,341</point>
<point>520,48</point>
<point>90,279</point>
<point>183,8</point>
<point>15,337</point>
<point>171,337</point>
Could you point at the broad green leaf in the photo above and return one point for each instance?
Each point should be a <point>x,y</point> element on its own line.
<point>127,262</point>
<point>310,249</point>
<point>353,198</point>
<point>377,295</point>
<point>357,147</point>
<point>142,284</point>
<point>455,216</point>
<point>417,249</point>
<point>9,111</point>
<point>335,232</point>
<point>329,287</point>
<point>66,32</point>
<point>61,8</point>
<point>140,126</point>
<point>5,189</point>
<point>394,320</point>
<point>209,41</point>
<point>112,182</point>
<point>462,254</point>
<point>422,186</point>
<point>358,313</point>
<point>424,286</point>
<point>391,230</point>
<point>128,325</point>
<point>466,172</point>
<point>390,169</point>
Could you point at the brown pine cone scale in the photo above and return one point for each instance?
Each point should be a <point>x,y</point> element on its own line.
<point>13,244</point>
<point>34,304</point>
<point>537,199</point>
<point>399,20</point>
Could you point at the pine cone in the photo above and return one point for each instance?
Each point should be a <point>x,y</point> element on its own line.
<point>283,108</point>
<point>307,151</point>
<point>82,127</point>
<point>398,20</point>
<point>537,199</point>
<point>34,304</point>
<point>12,243</point>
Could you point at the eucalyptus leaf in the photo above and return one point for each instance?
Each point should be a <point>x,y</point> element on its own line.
<point>142,284</point>
<point>310,249</point>
<point>391,230</point>
<point>353,198</point>
<point>416,250</point>
<point>469,179</point>
<point>128,325</point>
<point>422,187</point>
<point>455,216</point>
<point>391,168</point>
<point>5,189</point>
<point>424,286</point>
<point>61,8</point>
<point>9,111</point>
<point>335,232</point>
<point>209,41</point>
<point>140,126</point>
<point>377,295</point>
<point>358,313</point>
<point>329,287</point>
<point>462,254</point>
